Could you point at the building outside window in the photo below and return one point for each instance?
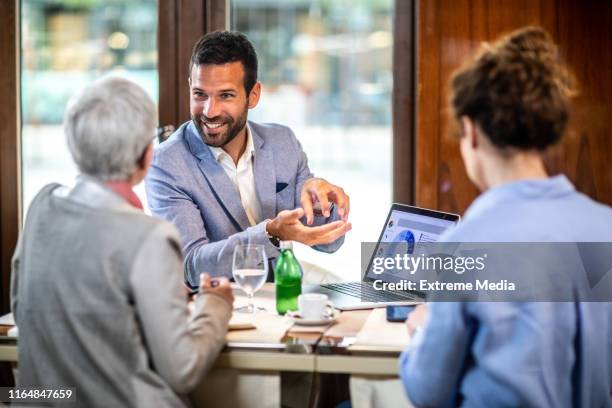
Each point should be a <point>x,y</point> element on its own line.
<point>66,44</point>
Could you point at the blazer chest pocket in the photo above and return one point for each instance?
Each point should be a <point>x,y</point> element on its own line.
<point>285,196</point>
<point>280,187</point>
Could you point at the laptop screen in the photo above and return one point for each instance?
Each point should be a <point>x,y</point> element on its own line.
<point>409,226</point>
<point>413,228</point>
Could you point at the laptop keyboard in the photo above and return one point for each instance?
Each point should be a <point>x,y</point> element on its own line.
<point>367,293</point>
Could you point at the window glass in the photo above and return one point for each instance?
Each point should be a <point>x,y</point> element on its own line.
<point>65,45</point>
<point>325,67</point>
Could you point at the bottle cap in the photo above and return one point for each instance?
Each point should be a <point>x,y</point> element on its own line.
<point>286,245</point>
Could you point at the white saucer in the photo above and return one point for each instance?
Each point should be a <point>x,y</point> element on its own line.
<point>297,319</point>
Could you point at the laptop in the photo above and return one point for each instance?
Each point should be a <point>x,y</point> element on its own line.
<point>405,224</point>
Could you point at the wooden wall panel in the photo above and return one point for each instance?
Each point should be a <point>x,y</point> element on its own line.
<point>454,45</point>
<point>428,103</point>
<point>584,30</point>
<point>449,32</point>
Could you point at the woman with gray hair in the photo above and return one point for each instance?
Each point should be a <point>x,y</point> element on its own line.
<point>97,286</point>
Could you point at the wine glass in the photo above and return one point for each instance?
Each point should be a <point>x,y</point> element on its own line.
<point>250,270</point>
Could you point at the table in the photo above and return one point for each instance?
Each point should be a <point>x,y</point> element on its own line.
<point>336,349</point>
<point>360,344</point>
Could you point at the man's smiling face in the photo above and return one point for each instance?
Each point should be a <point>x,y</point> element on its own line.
<point>218,101</point>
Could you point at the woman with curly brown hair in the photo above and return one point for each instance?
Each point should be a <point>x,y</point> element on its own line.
<point>512,102</point>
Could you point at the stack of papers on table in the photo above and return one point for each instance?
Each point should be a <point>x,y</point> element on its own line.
<point>377,333</point>
<point>7,326</point>
<point>268,328</point>
<point>7,320</point>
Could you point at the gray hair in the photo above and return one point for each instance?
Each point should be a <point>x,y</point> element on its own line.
<point>108,126</point>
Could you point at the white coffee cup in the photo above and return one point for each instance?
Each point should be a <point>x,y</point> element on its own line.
<point>314,306</point>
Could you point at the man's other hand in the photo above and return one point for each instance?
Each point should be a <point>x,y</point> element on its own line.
<point>287,227</point>
<point>218,286</point>
<point>317,190</point>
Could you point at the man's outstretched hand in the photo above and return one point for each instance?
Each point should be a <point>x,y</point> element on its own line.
<point>317,190</point>
<point>287,227</point>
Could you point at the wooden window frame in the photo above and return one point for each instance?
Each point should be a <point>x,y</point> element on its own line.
<point>404,101</point>
<point>10,156</point>
<point>180,24</point>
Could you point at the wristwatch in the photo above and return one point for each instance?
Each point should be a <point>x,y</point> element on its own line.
<point>274,240</point>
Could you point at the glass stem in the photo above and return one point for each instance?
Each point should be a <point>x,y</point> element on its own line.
<point>251,306</point>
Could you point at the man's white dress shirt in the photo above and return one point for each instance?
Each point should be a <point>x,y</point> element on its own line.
<point>241,175</point>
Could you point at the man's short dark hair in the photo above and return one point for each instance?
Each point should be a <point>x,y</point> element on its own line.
<point>223,47</point>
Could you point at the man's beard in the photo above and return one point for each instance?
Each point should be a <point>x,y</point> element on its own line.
<point>220,139</point>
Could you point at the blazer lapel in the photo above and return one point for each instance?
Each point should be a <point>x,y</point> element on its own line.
<point>265,176</point>
<point>217,179</point>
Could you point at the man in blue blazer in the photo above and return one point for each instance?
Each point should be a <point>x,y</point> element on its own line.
<point>223,180</point>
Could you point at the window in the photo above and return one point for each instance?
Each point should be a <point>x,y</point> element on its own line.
<point>65,45</point>
<point>326,71</point>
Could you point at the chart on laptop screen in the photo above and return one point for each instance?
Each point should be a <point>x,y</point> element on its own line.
<point>406,233</point>
<point>413,228</point>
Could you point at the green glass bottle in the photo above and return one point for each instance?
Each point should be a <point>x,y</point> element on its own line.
<point>288,279</point>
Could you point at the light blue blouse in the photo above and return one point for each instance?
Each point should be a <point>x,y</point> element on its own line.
<point>536,354</point>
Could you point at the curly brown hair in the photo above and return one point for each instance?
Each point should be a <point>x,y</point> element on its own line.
<point>516,91</point>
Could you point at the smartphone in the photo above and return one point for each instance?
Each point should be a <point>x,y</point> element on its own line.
<point>398,313</point>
